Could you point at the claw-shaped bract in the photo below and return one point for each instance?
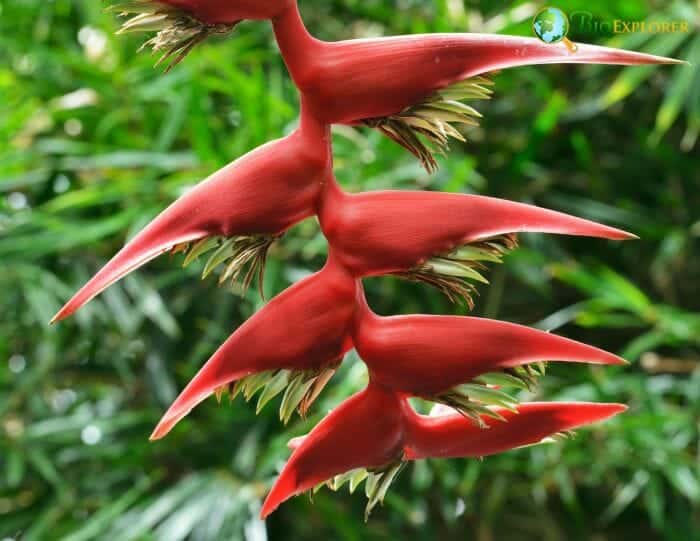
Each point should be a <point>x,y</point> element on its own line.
<point>376,430</point>
<point>443,239</point>
<point>453,436</point>
<point>411,87</point>
<point>427,355</point>
<point>234,215</point>
<point>295,343</point>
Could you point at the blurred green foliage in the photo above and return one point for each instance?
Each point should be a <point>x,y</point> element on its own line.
<point>95,143</point>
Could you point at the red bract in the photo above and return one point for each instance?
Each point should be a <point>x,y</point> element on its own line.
<point>432,356</point>
<point>454,436</point>
<point>366,431</point>
<point>247,205</point>
<point>412,86</point>
<point>373,432</point>
<point>439,238</point>
<point>295,343</point>
<point>349,81</point>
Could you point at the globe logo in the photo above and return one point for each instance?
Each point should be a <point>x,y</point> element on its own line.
<point>551,25</point>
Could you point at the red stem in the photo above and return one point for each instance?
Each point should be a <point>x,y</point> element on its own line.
<point>296,44</point>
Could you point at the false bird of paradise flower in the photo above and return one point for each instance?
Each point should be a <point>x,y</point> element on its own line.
<point>411,89</point>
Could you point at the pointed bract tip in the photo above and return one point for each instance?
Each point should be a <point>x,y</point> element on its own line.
<point>165,425</point>
<point>609,55</point>
<point>613,409</point>
<point>283,489</point>
<point>667,60</point>
<point>612,359</point>
<point>265,511</point>
<point>595,229</point>
<point>620,234</point>
<point>65,312</point>
<point>584,413</point>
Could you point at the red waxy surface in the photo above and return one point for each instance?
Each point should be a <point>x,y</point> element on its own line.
<point>347,81</point>
<point>425,355</point>
<point>305,327</point>
<point>264,192</point>
<point>390,231</point>
<point>454,436</point>
<point>375,427</point>
<point>364,431</point>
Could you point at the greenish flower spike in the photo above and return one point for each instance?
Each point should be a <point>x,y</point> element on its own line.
<point>424,129</point>
<point>177,31</point>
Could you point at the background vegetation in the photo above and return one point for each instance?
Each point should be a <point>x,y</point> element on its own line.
<point>94,143</point>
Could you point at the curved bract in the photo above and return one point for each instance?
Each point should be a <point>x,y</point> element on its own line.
<point>366,431</point>
<point>454,436</point>
<point>349,81</point>
<point>305,330</point>
<point>443,239</point>
<point>375,430</point>
<point>259,195</point>
<point>427,355</point>
<point>390,231</point>
<point>412,87</point>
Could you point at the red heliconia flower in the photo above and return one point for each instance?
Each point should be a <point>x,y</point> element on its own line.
<point>370,435</point>
<point>182,24</point>
<point>457,360</point>
<point>236,214</point>
<point>413,90</point>
<point>293,344</point>
<point>443,239</point>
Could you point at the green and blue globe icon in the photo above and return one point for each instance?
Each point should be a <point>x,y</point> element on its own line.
<point>551,25</point>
